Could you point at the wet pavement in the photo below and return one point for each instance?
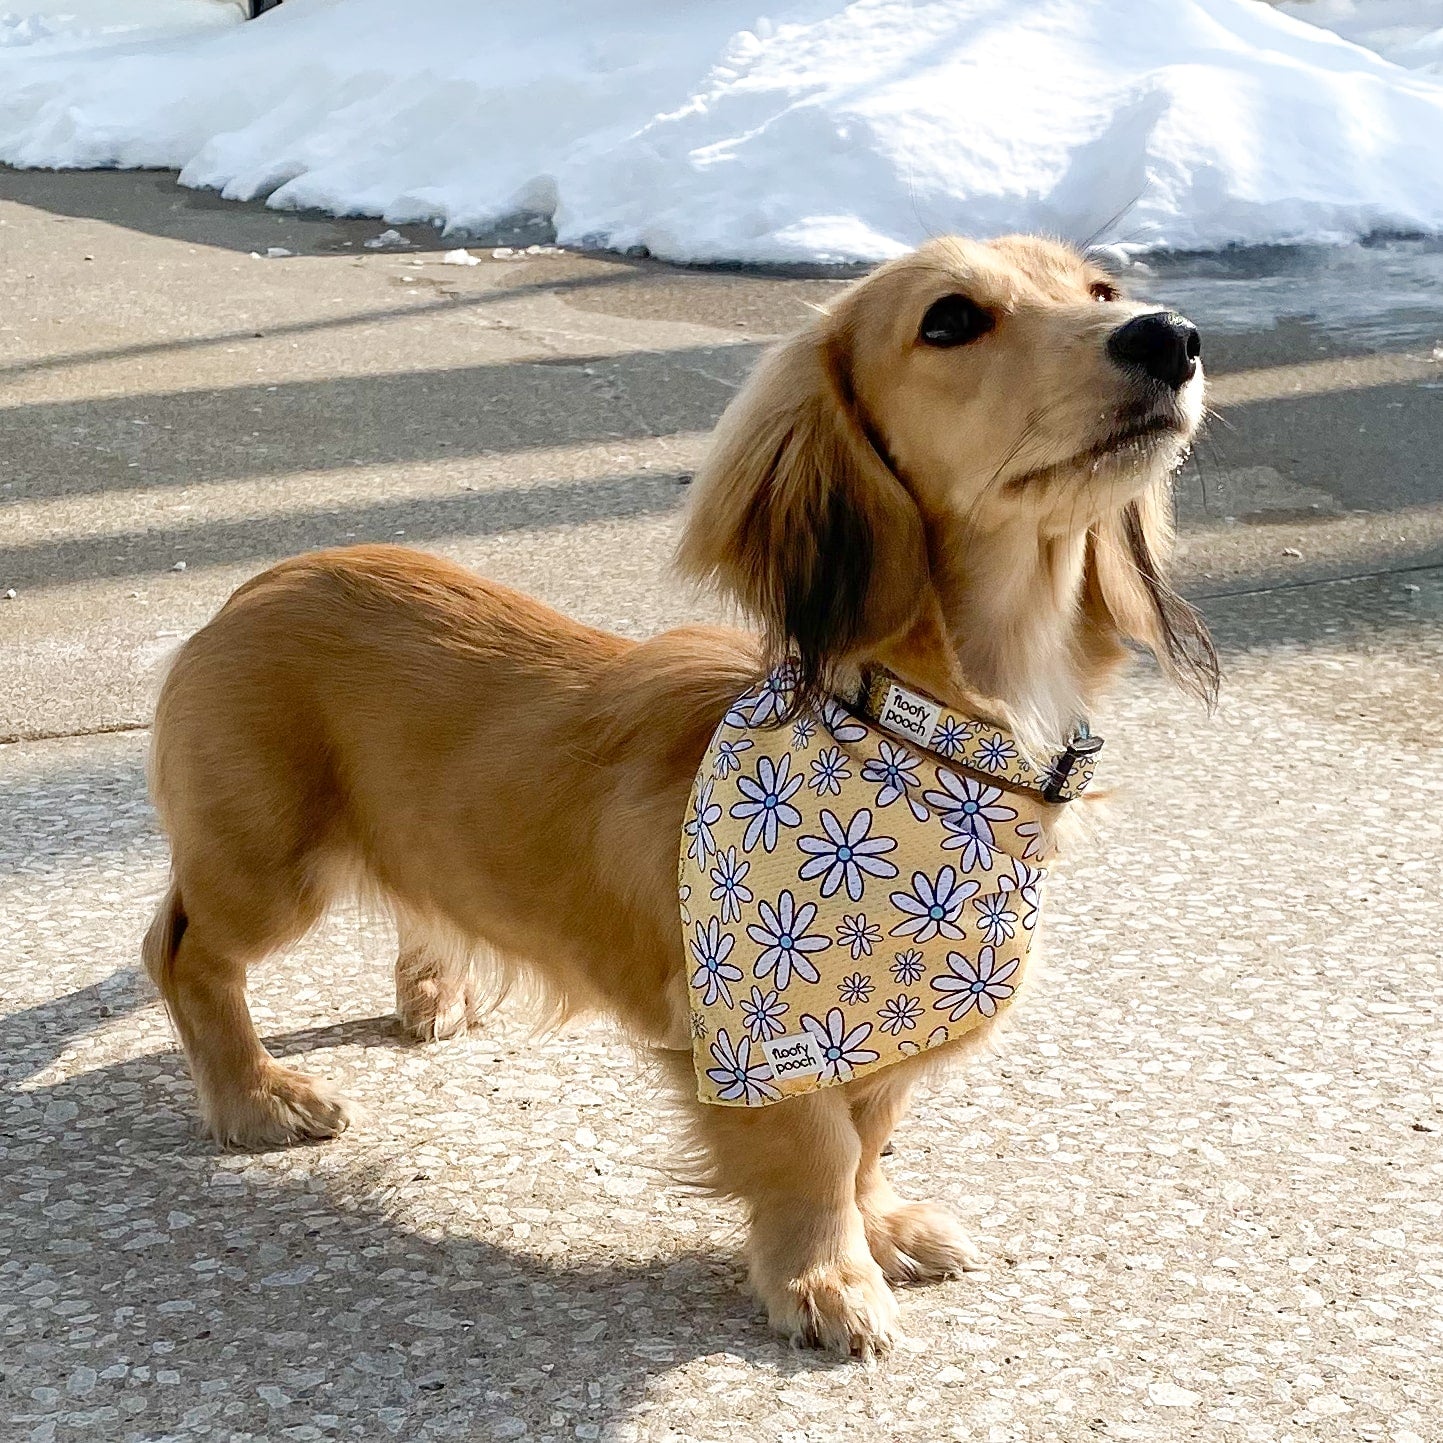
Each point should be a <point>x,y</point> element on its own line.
<point>1205,1164</point>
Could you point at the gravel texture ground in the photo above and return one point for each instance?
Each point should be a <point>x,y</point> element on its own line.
<point>1204,1164</point>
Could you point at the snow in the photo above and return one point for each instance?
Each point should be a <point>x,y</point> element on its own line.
<point>71,24</point>
<point>825,131</point>
<point>1407,32</point>
<point>387,240</point>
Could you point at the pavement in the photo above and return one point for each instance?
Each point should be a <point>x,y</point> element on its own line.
<point>1204,1166</point>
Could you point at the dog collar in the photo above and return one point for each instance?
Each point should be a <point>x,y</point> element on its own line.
<point>857,885</point>
<point>978,746</point>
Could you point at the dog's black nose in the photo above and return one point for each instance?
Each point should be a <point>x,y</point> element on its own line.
<point>1164,344</point>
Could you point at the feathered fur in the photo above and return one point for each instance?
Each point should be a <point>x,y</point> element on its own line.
<point>978,518</point>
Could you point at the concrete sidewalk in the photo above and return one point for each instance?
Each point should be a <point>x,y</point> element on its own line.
<point>1205,1168</point>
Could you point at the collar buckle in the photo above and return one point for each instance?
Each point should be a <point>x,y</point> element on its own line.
<point>1083,744</point>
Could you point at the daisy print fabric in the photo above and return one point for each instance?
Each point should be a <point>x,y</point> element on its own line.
<point>851,897</point>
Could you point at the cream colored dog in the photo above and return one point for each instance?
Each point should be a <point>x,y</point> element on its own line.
<point>959,473</point>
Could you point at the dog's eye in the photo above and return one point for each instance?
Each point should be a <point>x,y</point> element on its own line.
<point>1104,291</point>
<point>954,321</point>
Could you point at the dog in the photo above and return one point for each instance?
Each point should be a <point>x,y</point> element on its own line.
<point>959,472</point>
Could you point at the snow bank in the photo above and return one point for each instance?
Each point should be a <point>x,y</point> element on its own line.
<point>70,24</point>
<point>1407,32</point>
<point>827,132</point>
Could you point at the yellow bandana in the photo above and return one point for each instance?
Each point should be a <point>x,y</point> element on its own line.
<point>856,885</point>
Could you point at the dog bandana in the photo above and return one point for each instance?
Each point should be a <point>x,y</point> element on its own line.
<point>857,884</point>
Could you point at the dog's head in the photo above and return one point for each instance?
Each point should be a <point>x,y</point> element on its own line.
<point>961,470</point>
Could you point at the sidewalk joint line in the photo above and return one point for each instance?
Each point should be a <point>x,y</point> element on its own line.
<point>17,738</point>
<point>1301,584</point>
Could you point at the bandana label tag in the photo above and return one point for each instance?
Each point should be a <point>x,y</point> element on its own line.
<point>909,715</point>
<point>795,1056</point>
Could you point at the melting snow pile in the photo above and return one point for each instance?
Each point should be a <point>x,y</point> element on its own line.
<point>827,131</point>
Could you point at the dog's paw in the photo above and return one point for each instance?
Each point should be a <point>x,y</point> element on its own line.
<point>921,1243</point>
<point>842,1307</point>
<point>430,1011</point>
<point>286,1107</point>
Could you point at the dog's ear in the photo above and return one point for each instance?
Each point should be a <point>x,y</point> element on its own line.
<point>799,516</point>
<point>1127,592</point>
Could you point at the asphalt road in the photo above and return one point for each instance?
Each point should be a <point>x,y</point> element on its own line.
<point>1205,1165</point>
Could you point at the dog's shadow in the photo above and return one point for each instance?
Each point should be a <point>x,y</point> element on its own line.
<point>301,1288</point>
<point>383,1030</point>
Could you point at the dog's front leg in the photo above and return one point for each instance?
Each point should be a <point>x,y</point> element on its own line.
<point>913,1242</point>
<point>794,1165</point>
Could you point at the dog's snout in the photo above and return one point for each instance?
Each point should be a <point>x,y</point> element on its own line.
<point>1162,343</point>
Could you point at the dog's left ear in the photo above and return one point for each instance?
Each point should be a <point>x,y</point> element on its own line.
<point>798,515</point>
<point>1127,592</point>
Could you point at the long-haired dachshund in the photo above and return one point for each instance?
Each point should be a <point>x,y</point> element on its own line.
<point>959,473</point>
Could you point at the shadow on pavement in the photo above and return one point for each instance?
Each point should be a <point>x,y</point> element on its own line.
<point>534,506</point>
<point>184,438</point>
<point>1369,447</point>
<point>380,1031</point>
<point>273,1289</point>
<point>32,1038</point>
<point>140,350</point>
<point>152,202</point>
<point>48,812</point>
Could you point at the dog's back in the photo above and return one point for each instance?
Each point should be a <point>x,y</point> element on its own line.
<point>377,719</point>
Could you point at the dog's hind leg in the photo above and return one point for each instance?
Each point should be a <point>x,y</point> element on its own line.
<point>197,952</point>
<point>436,980</point>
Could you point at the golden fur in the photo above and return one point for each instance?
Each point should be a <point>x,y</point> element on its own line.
<point>513,783</point>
